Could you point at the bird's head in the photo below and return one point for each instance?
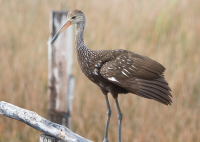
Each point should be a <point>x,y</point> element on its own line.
<point>73,17</point>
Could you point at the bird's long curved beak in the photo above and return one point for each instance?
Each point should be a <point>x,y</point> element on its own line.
<point>64,27</point>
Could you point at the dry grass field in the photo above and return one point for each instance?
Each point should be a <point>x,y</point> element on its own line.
<point>165,30</point>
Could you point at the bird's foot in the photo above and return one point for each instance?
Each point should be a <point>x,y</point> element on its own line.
<point>105,140</point>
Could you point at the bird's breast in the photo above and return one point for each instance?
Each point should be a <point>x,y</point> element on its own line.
<point>92,70</point>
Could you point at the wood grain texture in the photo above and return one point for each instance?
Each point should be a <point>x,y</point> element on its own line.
<point>37,122</point>
<point>60,58</point>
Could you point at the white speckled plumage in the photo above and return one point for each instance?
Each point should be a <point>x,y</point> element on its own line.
<point>119,71</point>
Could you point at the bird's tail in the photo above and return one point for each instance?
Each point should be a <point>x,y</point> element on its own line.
<point>157,89</point>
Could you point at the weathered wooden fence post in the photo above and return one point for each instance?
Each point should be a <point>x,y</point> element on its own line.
<point>60,81</point>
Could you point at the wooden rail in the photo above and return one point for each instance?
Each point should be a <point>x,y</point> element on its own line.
<point>45,126</point>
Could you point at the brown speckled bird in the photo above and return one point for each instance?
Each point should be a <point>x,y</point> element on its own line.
<point>118,71</point>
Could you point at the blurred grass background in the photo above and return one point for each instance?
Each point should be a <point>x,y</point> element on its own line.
<point>165,30</point>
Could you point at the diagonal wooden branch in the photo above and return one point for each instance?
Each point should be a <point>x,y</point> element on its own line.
<point>34,120</point>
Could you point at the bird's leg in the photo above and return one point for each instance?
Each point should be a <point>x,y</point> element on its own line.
<point>119,120</point>
<point>108,119</point>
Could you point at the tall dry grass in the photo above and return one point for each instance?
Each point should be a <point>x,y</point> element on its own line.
<point>166,30</point>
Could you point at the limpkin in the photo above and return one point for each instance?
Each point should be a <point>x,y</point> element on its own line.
<point>118,71</point>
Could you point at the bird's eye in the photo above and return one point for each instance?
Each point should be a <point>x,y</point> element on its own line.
<point>73,17</point>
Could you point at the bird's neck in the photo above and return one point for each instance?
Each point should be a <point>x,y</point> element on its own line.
<point>79,42</point>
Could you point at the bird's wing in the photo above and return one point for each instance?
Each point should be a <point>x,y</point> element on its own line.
<point>129,65</point>
<point>139,75</point>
